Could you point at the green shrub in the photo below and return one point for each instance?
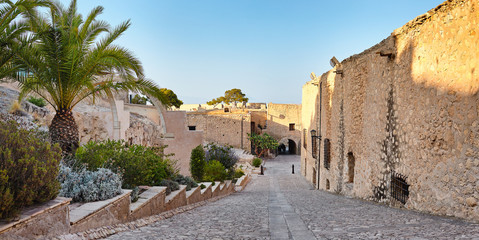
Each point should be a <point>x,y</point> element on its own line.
<point>238,173</point>
<point>40,102</point>
<point>88,186</point>
<point>28,169</point>
<point>214,171</point>
<point>223,154</point>
<point>257,162</point>
<point>136,164</point>
<point>202,186</point>
<point>197,163</point>
<point>183,180</point>
<point>170,185</point>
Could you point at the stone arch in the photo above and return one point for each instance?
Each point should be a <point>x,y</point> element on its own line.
<point>288,145</point>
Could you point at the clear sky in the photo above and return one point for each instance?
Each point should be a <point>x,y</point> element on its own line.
<point>267,48</point>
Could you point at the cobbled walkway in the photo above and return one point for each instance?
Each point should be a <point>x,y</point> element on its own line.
<point>281,205</point>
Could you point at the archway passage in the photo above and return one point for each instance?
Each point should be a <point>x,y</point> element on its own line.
<point>291,146</point>
<point>287,146</point>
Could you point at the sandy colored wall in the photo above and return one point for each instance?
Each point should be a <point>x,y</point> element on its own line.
<point>309,121</point>
<point>415,113</point>
<point>278,120</point>
<point>223,128</point>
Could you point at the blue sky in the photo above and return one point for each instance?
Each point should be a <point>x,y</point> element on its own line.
<point>267,48</point>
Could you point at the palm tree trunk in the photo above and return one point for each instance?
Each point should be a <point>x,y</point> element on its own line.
<point>64,131</point>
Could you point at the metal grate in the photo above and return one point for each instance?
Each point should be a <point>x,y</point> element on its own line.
<point>327,153</point>
<point>399,187</point>
<point>314,147</point>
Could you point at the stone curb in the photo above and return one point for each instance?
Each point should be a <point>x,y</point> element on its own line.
<point>106,231</point>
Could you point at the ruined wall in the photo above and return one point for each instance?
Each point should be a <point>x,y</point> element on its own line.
<point>279,118</point>
<point>413,110</point>
<point>230,128</point>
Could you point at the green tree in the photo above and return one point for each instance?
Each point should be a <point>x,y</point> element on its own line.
<point>67,63</point>
<point>262,143</point>
<point>13,26</point>
<point>231,96</point>
<point>197,163</point>
<point>171,98</point>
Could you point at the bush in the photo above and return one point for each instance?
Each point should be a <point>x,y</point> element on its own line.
<point>202,186</point>
<point>224,154</point>
<point>197,163</point>
<point>136,164</point>
<point>238,173</point>
<point>257,162</point>
<point>28,169</point>
<point>40,102</point>
<point>189,182</point>
<point>170,185</point>
<point>88,186</point>
<point>214,171</point>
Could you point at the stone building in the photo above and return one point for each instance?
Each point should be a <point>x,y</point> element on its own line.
<point>399,122</point>
<point>284,124</point>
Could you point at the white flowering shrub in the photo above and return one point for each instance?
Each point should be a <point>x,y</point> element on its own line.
<point>88,186</point>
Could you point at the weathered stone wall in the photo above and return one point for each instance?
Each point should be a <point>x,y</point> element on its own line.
<point>225,128</point>
<point>309,121</point>
<point>412,111</point>
<point>280,116</point>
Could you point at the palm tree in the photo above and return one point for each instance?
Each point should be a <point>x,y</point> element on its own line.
<point>67,63</point>
<point>13,25</point>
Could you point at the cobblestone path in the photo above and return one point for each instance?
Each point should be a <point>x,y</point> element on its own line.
<point>281,205</point>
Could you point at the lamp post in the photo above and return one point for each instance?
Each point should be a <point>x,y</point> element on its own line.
<point>316,156</point>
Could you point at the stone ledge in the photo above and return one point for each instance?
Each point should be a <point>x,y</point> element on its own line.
<point>90,208</point>
<point>150,202</point>
<point>49,214</point>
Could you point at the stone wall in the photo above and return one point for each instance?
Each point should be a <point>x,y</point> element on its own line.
<point>408,105</point>
<point>279,119</point>
<point>309,121</point>
<point>225,128</point>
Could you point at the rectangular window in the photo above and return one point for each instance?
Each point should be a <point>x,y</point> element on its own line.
<point>327,153</point>
<point>192,128</point>
<point>399,187</point>
<point>291,127</point>
<point>314,147</point>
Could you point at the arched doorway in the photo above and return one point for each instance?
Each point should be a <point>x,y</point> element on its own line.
<point>291,146</point>
<point>287,146</point>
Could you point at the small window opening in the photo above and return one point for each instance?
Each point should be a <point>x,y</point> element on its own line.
<point>227,110</point>
<point>192,128</point>
<point>327,153</point>
<point>327,184</point>
<point>351,163</point>
<point>291,127</point>
<point>305,135</point>
<point>399,187</point>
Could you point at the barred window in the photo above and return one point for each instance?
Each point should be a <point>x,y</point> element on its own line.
<point>291,127</point>
<point>314,147</point>
<point>327,153</point>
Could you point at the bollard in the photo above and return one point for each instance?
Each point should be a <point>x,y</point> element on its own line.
<point>292,166</point>
<point>262,173</point>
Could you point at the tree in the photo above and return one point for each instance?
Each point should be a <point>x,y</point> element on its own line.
<point>67,63</point>
<point>13,25</point>
<point>262,143</point>
<point>171,98</point>
<point>197,163</point>
<point>231,96</point>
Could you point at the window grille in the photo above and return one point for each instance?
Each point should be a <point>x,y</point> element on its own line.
<point>314,147</point>
<point>399,187</point>
<point>327,153</point>
<point>291,127</point>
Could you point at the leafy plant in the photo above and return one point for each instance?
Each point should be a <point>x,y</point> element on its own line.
<point>231,96</point>
<point>238,173</point>
<point>214,171</point>
<point>262,143</point>
<point>136,164</point>
<point>137,99</point>
<point>202,186</point>
<point>28,169</point>
<point>197,163</point>
<point>88,186</point>
<point>184,180</point>
<point>170,185</point>
<point>39,102</point>
<point>224,154</point>
<point>257,162</point>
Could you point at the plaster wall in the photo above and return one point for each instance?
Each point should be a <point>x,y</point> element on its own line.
<point>309,121</point>
<point>279,118</point>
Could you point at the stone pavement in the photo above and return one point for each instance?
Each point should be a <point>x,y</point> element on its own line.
<point>281,205</point>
